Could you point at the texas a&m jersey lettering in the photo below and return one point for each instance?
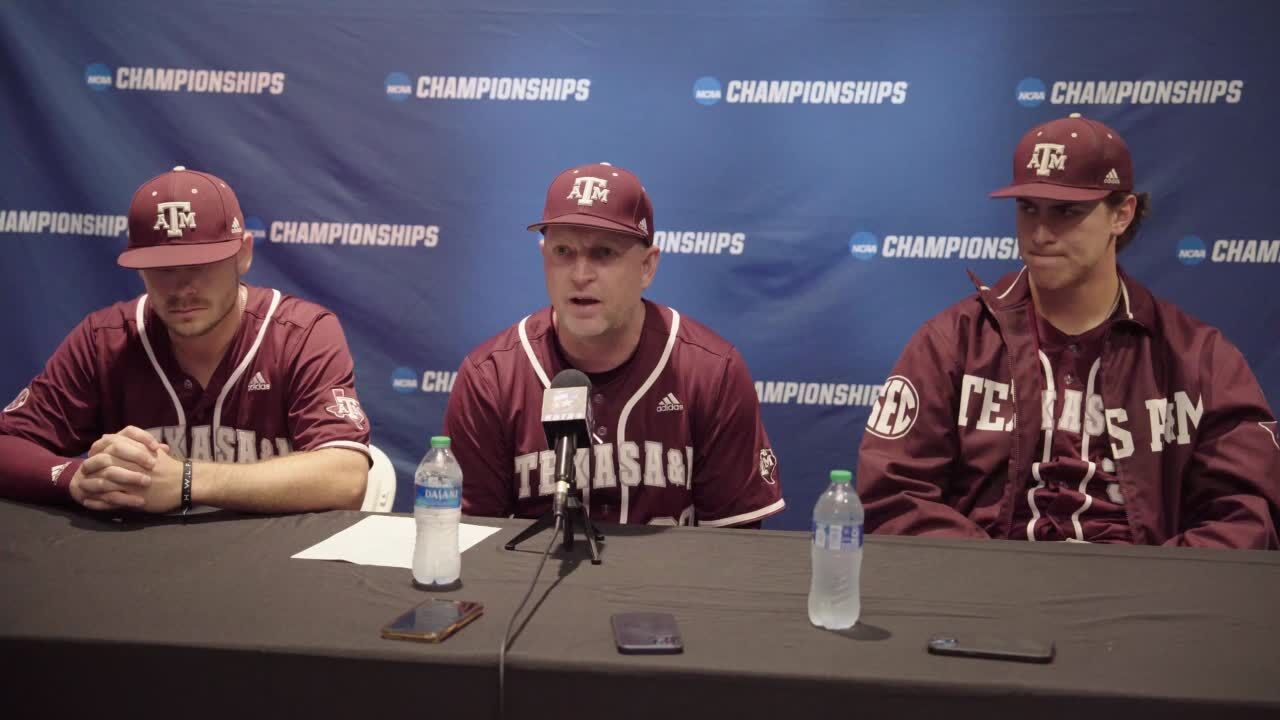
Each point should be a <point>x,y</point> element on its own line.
<point>653,466</point>
<point>231,444</point>
<point>987,405</point>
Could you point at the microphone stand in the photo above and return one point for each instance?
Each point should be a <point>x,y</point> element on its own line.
<point>574,513</point>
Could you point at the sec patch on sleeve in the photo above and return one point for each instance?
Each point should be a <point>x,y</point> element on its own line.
<point>895,411</point>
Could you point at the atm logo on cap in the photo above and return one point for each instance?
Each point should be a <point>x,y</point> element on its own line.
<point>589,189</point>
<point>180,217</point>
<point>1047,157</point>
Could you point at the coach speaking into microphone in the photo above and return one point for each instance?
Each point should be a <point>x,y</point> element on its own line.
<point>566,419</point>
<point>677,435</point>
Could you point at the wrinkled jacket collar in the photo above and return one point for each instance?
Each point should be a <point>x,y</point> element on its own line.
<point>1013,292</point>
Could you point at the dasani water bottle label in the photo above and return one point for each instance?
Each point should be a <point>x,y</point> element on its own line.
<point>837,537</point>
<point>442,498</point>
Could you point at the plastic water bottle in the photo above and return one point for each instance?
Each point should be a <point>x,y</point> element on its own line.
<point>437,508</point>
<point>836,550</point>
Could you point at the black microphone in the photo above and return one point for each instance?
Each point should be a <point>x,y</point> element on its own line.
<point>566,419</point>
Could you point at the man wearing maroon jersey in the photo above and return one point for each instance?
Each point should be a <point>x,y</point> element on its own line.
<point>1066,402</point>
<point>201,391</point>
<point>678,436</point>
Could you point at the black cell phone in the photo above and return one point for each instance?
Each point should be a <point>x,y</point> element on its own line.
<point>645,633</point>
<point>993,647</point>
<point>433,620</point>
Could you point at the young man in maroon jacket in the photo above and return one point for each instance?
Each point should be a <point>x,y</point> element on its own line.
<point>1066,403</point>
<point>678,436</point>
<point>201,391</point>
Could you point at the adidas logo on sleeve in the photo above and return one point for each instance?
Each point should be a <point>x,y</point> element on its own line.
<point>56,471</point>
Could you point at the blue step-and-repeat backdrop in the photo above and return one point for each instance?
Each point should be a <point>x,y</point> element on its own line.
<point>802,157</point>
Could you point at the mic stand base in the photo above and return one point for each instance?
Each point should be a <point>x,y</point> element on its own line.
<point>575,515</point>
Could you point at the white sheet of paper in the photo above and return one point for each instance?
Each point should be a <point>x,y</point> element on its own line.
<point>384,540</point>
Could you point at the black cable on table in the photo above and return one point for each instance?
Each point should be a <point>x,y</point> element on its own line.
<point>506,636</point>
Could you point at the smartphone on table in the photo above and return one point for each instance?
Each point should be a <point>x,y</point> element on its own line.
<point>433,620</point>
<point>992,647</point>
<point>646,633</point>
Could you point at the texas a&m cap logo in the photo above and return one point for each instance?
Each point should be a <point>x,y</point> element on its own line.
<point>587,190</point>
<point>174,217</point>
<point>1047,157</point>
<point>182,217</point>
<point>599,196</point>
<point>1073,159</point>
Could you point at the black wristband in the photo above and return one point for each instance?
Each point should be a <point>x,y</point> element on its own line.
<point>186,486</point>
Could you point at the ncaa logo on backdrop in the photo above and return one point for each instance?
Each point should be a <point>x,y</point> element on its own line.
<point>257,229</point>
<point>404,380</point>
<point>399,87</point>
<point>863,245</point>
<point>1192,250</point>
<point>895,411</point>
<point>489,88</point>
<point>98,77</point>
<point>1030,92</point>
<point>407,380</point>
<point>707,91</point>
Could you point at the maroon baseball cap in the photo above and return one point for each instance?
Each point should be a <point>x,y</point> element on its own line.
<point>182,217</point>
<point>599,196</point>
<point>1072,159</point>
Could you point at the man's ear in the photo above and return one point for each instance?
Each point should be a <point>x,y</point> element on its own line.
<point>649,265</point>
<point>244,257</point>
<point>1123,215</point>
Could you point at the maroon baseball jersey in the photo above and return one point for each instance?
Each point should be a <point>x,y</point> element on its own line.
<point>1151,430</point>
<point>678,436</point>
<point>286,383</point>
<point>1075,493</point>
